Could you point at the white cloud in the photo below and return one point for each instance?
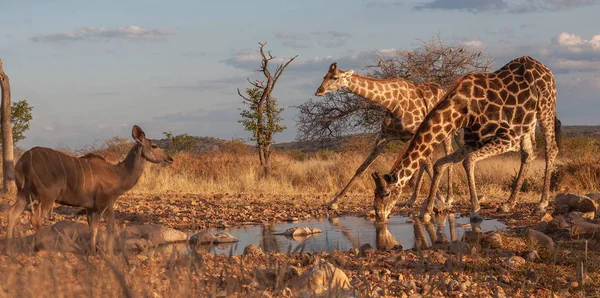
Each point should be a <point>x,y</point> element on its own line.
<point>477,44</point>
<point>93,34</point>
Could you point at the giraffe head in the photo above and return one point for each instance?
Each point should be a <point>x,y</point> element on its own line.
<point>334,80</point>
<point>387,191</point>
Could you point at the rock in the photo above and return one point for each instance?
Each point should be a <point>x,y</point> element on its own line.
<point>65,236</point>
<point>562,209</point>
<point>594,196</point>
<point>532,256</point>
<point>541,226</point>
<point>576,202</point>
<point>546,218</point>
<point>492,240</point>
<point>457,247</point>
<point>514,262</point>
<point>574,216</point>
<point>473,237</point>
<point>366,250</point>
<point>300,231</point>
<point>559,222</point>
<point>585,229</point>
<point>589,215</point>
<point>540,239</point>
<point>156,234</point>
<point>252,250</point>
<point>322,279</point>
<point>205,237</point>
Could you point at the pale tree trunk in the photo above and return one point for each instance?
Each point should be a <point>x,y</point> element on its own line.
<point>8,162</point>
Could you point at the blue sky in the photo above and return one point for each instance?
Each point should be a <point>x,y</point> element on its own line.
<point>92,69</point>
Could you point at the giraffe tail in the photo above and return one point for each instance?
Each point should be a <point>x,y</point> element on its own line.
<point>557,132</point>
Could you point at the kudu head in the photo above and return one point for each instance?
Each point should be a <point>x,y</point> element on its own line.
<point>150,151</point>
<point>334,80</point>
<point>386,194</point>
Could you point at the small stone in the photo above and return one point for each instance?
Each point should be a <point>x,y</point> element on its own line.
<point>499,293</point>
<point>541,239</point>
<point>514,262</point>
<point>366,250</point>
<point>574,284</point>
<point>559,222</point>
<point>291,219</point>
<point>532,256</point>
<point>589,215</point>
<point>492,240</point>
<point>541,226</point>
<point>547,217</point>
<point>457,247</point>
<point>464,286</point>
<point>253,250</point>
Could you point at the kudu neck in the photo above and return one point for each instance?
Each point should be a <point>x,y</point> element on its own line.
<point>131,168</point>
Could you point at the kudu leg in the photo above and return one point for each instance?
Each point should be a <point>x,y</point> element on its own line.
<point>38,217</point>
<point>93,222</point>
<point>14,212</point>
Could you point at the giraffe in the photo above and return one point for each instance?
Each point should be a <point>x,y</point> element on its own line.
<point>407,104</point>
<point>498,112</point>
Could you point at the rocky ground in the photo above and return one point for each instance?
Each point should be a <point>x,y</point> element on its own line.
<point>556,254</point>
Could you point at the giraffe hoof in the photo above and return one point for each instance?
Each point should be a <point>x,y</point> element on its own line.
<point>503,209</point>
<point>333,206</point>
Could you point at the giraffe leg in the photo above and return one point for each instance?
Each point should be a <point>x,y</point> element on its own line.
<point>439,168</point>
<point>547,126</point>
<point>378,147</point>
<point>497,145</point>
<point>448,150</point>
<point>418,183</point>
<point>527,157</point>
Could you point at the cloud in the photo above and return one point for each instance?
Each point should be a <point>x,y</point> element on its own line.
<point>526,6</point>
<point>384,4</point>
<point>221,84</point>
<point>551,5</point>
<point>466,5</point>
<point>134,33</point>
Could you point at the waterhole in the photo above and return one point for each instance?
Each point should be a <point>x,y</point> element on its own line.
<point>343,233</point>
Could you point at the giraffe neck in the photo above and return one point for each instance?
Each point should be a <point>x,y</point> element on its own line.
<point>443,120</point>
<point>385,92</point>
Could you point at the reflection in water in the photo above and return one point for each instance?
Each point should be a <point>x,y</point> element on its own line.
<point>384,240</point>
<point>347,232</point>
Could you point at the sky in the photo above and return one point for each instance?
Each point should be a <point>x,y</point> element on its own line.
<point>92,69</point>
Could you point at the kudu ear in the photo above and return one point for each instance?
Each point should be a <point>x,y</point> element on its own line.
<point>138,134</point>
<point>391,178</point>
<point>379,182</point>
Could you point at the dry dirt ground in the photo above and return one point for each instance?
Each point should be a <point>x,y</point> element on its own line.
<point>481,270</point>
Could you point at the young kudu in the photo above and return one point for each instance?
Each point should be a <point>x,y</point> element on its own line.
<point>89,181</point>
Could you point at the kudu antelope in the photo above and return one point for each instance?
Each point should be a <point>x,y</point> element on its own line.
<point>89,181</point>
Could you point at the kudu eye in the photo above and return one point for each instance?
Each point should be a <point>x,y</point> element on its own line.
<point>154,146</point>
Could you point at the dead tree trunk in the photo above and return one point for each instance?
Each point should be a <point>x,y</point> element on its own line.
<point>8,163</point>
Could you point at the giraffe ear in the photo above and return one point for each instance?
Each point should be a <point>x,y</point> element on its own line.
<point>348,73</point>
<point>333,66</point>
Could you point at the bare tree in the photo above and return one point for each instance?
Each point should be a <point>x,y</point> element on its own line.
<point>265,113</point>
<point>8,162</point>
<point>340,113</point>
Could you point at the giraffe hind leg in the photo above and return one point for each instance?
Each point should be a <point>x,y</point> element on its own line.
<point>499,144</point>
<point>547,126</point>
<point>527,157</point>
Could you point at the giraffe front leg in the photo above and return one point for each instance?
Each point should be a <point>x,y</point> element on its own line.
<point>378,147</point>
<point>439,168</point>
<point>418,183</point>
